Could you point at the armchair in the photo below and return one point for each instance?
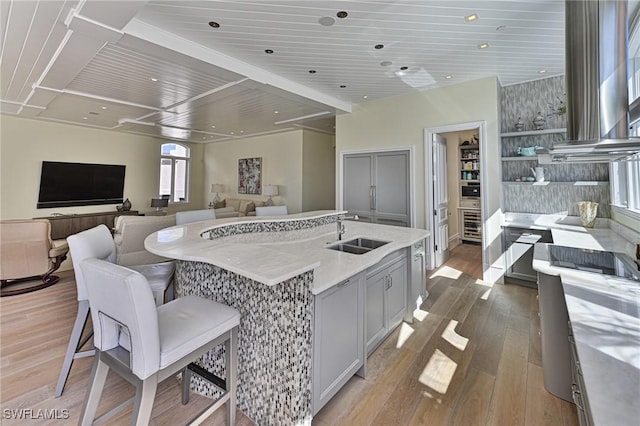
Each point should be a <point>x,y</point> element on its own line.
<point>28,254</point>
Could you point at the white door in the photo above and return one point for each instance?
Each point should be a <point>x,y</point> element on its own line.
<point>440,201</point>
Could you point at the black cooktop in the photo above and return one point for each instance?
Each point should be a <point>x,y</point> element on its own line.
<point>600,262</point>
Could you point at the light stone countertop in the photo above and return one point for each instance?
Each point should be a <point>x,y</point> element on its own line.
<point>273,257</point>
<point>605,318</point>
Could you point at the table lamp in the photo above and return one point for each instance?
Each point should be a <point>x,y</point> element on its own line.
<point>270,190</point>
<point>216,188</point>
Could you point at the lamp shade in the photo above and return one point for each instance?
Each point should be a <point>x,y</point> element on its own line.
<point>159,202</point>
<point>217,187</point>
<point>270,190</point>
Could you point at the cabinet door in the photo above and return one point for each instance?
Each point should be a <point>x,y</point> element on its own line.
<point>396,293</point>
<point>338,348</point>
<point>391,187</point>
<point>376,324</point>
<point>358,189</point>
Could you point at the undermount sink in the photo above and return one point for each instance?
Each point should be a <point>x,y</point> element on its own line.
<point>358,246</point>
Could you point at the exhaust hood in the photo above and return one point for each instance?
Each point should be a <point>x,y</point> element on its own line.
<point>596,81</point>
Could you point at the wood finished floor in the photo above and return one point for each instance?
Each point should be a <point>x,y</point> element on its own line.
<point>472,358</point>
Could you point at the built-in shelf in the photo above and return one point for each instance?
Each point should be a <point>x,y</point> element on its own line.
<point>470,180</point>
<point>521,158</point>
<point>533,133</point>
<point>577,183</point>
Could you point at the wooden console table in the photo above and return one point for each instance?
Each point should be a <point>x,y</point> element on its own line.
<point>65,225</point>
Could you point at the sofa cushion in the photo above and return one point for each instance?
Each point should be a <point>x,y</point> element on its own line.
<point>233,202</point>
<point>220,204</point>
<point>245,207</point>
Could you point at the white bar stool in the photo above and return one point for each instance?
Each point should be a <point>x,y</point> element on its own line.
<point>162,340</point>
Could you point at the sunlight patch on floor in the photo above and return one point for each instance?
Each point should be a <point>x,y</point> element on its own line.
<point>447,272</point>
<point>420,315</point>
<point>438,373</point>
<point>429,395</point>
<point>405,332</point>
<point>485,295</point>
<point>450,335</point>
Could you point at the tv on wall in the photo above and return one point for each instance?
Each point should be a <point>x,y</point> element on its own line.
<point>80,184</point>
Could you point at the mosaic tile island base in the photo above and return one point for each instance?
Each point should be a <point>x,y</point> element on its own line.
<point>270,270</point>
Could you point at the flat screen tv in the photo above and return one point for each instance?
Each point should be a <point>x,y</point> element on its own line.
<point>80,184</point>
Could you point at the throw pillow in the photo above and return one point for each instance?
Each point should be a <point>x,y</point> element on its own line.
<point>220,204</point>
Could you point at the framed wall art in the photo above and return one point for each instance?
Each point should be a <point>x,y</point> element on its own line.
<point>249,175</point>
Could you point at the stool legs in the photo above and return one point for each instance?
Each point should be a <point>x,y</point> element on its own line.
<point>73,347</point>
<point>231,363</point>
<point>98,379</point>
<point>145,395</point>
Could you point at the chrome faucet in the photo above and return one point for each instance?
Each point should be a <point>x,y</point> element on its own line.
<point>341,229</point>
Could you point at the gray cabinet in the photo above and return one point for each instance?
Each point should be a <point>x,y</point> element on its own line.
<point>376,187</point>
<point>554,337</point>
<point>338,338</point>
<point>386,298</point>
<point>517,244</point>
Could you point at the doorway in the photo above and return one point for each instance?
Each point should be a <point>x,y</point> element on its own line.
<point>455,165</point>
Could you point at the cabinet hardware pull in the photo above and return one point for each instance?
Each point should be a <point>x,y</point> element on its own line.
<point>373,198</point>
<point>345,283</point>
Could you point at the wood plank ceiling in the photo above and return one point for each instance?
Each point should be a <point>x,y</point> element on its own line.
<point>158,68</point>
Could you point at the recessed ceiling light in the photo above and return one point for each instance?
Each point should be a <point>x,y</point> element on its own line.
<point>276,112</point>
<point>312,71</point>
<point>385,63</point>
<point>471,18</point>
<point>232,133</point>
<point>342,86</point>
<point>378,46</point>
<point>213,127</point>
<point>365,97</point>
<point>268,51</point>
<point>241,131</point>
<point>542,72</point>
<point>483,46</point>
<point>501,27</point>
<point>154,79</point>
<point>103,107</point>
<point>404,68</point>
<point>326,21</point>
<point>84,118</point>
<point>342,14</point>
<point>214,24</point>
<point>448,76</point>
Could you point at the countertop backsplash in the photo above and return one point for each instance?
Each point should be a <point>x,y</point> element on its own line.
<point>550,199</point>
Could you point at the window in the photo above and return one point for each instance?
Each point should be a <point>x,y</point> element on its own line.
<point>625,182</point>
<point>174,173</point>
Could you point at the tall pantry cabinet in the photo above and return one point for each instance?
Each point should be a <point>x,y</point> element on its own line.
<point>376,187</point>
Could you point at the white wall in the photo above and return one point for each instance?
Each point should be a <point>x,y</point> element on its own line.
<point>25,143</point>
<point>318,171</point>
<point>401,121</point>
<point>281,165</point>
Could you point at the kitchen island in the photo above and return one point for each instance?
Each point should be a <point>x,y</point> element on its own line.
<point>291,291</point>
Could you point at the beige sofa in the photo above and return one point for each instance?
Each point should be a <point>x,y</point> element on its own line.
<point>243,207</point>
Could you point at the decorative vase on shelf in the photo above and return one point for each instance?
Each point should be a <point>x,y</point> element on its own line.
<point>519,125</point>
<point>539,121</point>
<point>126,206</point>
